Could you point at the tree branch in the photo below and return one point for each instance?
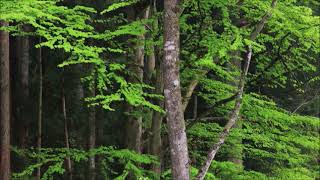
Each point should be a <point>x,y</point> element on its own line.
<point>235,113</point>
<point>305,102</point>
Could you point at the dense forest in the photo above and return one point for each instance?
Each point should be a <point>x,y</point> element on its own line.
<point>160,89</point>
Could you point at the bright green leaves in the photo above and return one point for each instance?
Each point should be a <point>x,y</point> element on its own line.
<point>118,5</point>
<point>52,161</point>
<point>71,30</point>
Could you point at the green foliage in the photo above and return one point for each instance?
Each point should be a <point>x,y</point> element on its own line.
<point>193,173</point>
<point>52,159</point>
<point>117,5</point>
<point>272,138</point>
<point>272,142</point>
<point>70,30</point>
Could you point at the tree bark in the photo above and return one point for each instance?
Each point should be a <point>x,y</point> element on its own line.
<point>172,93</point>
<point>23,90</point>
<point>4,104</point>
<point>190,89</point>
<point>151,58</point>
<point>154,63</point>
<point>155,143</point>
<point>235,113</point>
<point>134,124</point>
<point>66,131</point>
<point>39,138</point>
<point>92,137</point>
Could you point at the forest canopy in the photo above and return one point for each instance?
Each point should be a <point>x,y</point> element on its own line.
<point>159,89</point>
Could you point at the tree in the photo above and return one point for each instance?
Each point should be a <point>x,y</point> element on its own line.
<point>40,106</point>
<point>235,113</point>
<point>122,55</point>
<point>5,104</point>
<point>23,99</point>
<point>172,92</point>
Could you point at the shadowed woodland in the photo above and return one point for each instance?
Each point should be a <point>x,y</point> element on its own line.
<point>160,89</point>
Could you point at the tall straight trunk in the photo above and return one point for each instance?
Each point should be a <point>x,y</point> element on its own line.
<point>23,88</point>
<point>66,131</point>
<point>154,63</point>
<point>172,93</point>
<point>4,104</point>
<point>92,136</point>
<point>134,124</point>
<point>39,138</point>
<point>236,110</point>
<point>151,58</point>
<point>155,142</point>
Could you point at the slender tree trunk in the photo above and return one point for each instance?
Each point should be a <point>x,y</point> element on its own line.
<point>39,139</point>
<point>23,90</point>
<point>92,136</point>
<point>234,153</point>
<point>235,113</point>
<point>4,104</point>
<point>172,93</point>
<point>134,124</point>
<point>66,131</point>
<point>151,58</point>
<point>155,145</point>
<point>190,89</point>
<point>231,122</point>
<point>155,142</point>
<point>195,107</point>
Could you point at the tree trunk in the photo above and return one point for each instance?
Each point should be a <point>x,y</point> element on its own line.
<point>151,58</point>
<point>172,93</point>
<point>231,122</point>
<point>92,136</point>
<point>155,142</point>
<point>66,131</point>
<point>154,64</point>
<point>23,90</point>
<point>39,138</point>
<point>4,104</point>
<point>134,124</point>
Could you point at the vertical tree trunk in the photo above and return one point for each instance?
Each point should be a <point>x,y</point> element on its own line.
<point>66,131</point>
<point>23,89</point>
<point>195,107</point>
<point>4,104</point>
<point>39,139</point>
<point>231,122</point>
<point>134,124</point>
<point>92,136</point>
<point>155,142</point>
<point>151,58</point>
<point>172,93</point>
<point>154,64</point>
